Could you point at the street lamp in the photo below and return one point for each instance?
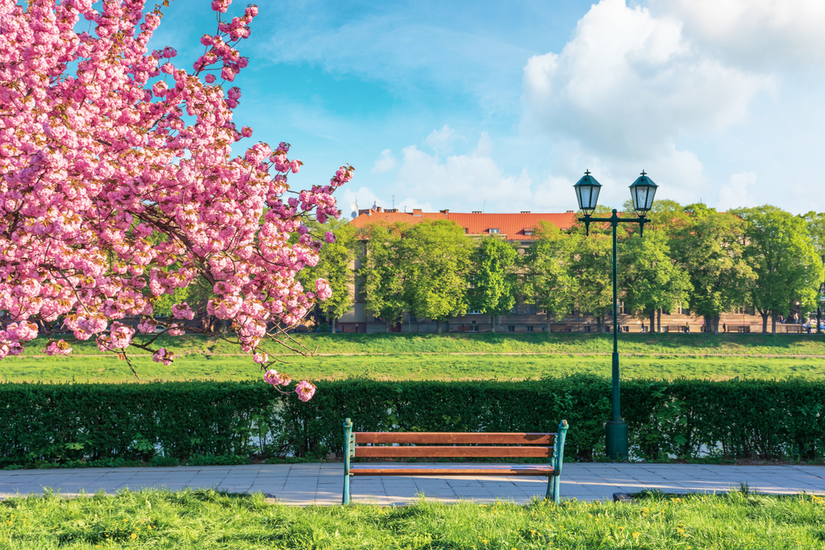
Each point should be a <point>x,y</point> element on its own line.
<point>642,192</point>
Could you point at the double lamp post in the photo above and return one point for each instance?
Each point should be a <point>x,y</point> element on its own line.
<point>642,192</point>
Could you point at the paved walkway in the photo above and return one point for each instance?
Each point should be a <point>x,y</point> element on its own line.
<point>305,484</point>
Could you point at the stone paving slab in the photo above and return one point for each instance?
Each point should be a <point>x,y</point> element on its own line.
<point>321,484</point>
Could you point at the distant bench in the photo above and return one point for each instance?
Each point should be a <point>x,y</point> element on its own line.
<point>796,329</point>
<point>455,445</point>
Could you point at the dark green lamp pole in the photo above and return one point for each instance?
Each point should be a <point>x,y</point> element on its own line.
<point>642,192</point>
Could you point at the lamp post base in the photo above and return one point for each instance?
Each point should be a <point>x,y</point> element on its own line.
<point>616,431</point>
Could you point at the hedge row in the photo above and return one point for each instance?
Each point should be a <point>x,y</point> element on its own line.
<point>684,418</point>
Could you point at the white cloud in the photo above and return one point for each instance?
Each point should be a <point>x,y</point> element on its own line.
<point>628,83</point>
<point>735,193</point>
<point>384,163</point>
<point>473,180</point>
<point>441,140</point>
<point>757,34</point>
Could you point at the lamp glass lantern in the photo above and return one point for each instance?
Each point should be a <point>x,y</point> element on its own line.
<point>587,193</point>
<point>642,191</point>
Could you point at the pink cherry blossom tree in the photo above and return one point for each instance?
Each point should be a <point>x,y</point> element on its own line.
<point>118,186</point>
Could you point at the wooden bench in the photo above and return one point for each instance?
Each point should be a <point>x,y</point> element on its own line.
<point>455,445</point>
<point>797,329</point>
<point>742,328</point>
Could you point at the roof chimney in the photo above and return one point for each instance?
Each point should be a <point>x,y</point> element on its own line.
<point>416,211</point>
<point>525,211</point>
<point>447,211</point>
<point>569,211</point>
<point>476,211</point>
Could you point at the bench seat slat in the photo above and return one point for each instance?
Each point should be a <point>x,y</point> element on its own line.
<point>452,438</point>
<point>510,471</point>
<point>457,452</point>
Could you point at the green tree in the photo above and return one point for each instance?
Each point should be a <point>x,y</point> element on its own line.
<point>382,274</point>
<point>336,266</point>
<point>816,228</point>
<point>781,252</point>
<point>650,280</point>
<point>708,246</point>
<point>592,268</point>
<point>547,267</point>
<point>492,278</point>
<point>437,255</point>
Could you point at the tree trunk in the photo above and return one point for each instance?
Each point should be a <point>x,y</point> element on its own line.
<point>438,325</point>
<point>818,319</point>
<point>388,326</point>
<point>764,315</point>
<point>652,320</point>
<point>549,320</point>
<point>773,322</point>
<point>659,320</point>
<point>332,324</point>
<point>493,322</point>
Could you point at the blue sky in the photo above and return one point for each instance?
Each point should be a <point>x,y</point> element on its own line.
<point>501,106</point>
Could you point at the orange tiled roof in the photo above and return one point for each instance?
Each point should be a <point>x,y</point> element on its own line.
<point>511,226</point>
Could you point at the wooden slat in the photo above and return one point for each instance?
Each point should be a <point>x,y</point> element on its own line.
<point>509,471</point>
<point>433,452</point>
<point>452,438</point>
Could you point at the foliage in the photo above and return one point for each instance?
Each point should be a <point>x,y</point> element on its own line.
<point>650,278</point>
<point>548,277</point>
<point>681,418</point>
<point>592,269</point>
<point>708,246</point>
<point>782,253</point>
<point>334,266</point>
<point>492,277</point>
<point>437,256</point>
<point>119,185</point>
<point>383,271</point>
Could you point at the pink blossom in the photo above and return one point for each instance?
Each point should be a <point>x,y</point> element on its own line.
<point>329,237</point>
<point>119,174</point>
<point>260,358</point>
<point>322,289</point>
<point>305,390</point>
<point>60,347</point>
<point>272,377</point>
<point>182,311</point>
<point>163,356</point>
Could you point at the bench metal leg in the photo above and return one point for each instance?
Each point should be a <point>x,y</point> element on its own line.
<point>551,487</point>
<point>345,500</point>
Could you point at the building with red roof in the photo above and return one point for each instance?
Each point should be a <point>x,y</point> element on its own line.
<point>512,227</point>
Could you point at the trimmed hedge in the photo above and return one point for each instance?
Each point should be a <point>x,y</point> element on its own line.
<point>181,420</point>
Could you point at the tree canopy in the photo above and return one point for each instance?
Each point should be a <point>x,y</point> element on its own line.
<point>118,185</point>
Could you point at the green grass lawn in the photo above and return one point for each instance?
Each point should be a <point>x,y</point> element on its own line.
<point>207,520</point>
<point>448,357</point>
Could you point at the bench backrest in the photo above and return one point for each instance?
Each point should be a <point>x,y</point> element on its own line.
<point>451,444</point>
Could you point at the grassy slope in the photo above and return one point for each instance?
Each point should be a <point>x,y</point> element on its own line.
<point>418,357</point>
<point>207,520</point>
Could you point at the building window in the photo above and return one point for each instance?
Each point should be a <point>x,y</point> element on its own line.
<point>514,311</point>
<point>494,230</point>
<point>474,312</point>
<point>529,328</point>
<point>530,309</point>
<point>528,232</point>
<point>511,328</point>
